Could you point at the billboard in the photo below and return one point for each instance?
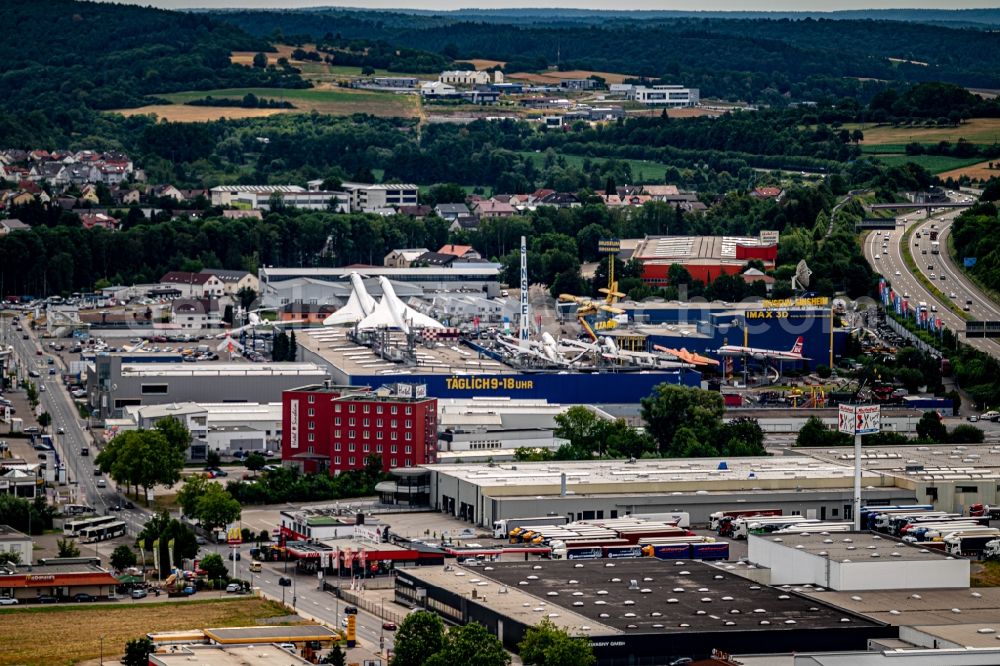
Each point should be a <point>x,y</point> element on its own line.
<point>769,237</point>
<point>293,421</point>
<point>859,419</point>
<point>234,535</point>
<point>352,630</point>
<point>969,262</point>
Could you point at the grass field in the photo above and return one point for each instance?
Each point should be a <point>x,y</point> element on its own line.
<point>70,634</point>
<point>284,51</point>
<point>329,100</point>
<point>977,130</point>
<point>480,63</point>
<point>934,163</point>
<point>642,171</point>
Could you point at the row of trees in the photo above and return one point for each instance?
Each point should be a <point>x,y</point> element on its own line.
<point>930,430</point>
<point>146,458</point>
<point>422,640</point>
<point>207,501</point>
<point>289,485</point>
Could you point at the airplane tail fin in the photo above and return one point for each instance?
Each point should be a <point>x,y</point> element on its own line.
<point>797,347</point>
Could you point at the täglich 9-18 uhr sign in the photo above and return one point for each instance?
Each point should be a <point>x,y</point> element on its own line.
<point>859,420</point>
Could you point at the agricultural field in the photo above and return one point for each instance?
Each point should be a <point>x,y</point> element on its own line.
<point>977,130</point>
<point>642,171</point>
<point>936,164</point>
<point>329,100</point>
<point>70,634</point>
<point>481,64</point>
<point>977,171</point>
<point>553,77</point>
<point>283,51</point>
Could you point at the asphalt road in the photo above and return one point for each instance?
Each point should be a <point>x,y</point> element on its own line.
<point>888,247</point>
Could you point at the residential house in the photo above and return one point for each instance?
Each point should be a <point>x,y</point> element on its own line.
<point>196,313</point>
<point>233,281</point>
<point>767,192</point>
<point>626,201</point>
<point>88,194</point>
<point>402,258</point>
<point>451,211</point>
<point>125,197</point>
<point>752,275</point>
<point>12,224</point>
<point>660,192</point>
<point>112,174</point>
<point>166,191</point>
<point>463,252</point>
<point>194,285</point>
<point>491,208</point>
<point>18,198</point>
<point>191,195</point>
<point>539,194</point>
<point>512,199</point>
<point>464,223</point>
<point>91,220</point>
<point>436,260</point>
<point>560,200</point>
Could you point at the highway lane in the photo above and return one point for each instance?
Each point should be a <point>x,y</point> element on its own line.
<point>888,246</point>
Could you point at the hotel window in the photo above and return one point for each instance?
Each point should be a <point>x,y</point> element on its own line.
<point>350,421</point>
<point>367,448</point>
<point>353,408</point>
<point>312,437</point>
<point>368,409</point>
<point>351,446</point>
<point>336,447</point>
<point>408,449</point>
<point>379,434</point>
<point>394,423</point>
<point>378,409</point>
<point>378,448</point>
<point>336,433</point>
<point>394,409</point>
<point>409,436</point>
<point>336,460</point>
<point>409,423</point>
<point>409,409</point>
<point>408,463</point>
<point>312,399</point>
<point>350,461</point>
<point>392,448</point>
<point>312,411</point>
<point>365,422</point>
<point>336,420</point>
<point>312,425</point>
<point>336,408</point>
<point>352,434</point>
<point>378,423</point>
<point>366,434</point>
<point>395,435</point>
<point>392,463</point>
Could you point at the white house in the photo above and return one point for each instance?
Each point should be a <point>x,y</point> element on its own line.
<point>470,77</point>
<point>402,258</point>
<point>233,281</point>
<point>437,89</point>
<point>194,285</point>
<point>196,313</point>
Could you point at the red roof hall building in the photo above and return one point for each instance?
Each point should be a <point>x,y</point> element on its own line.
<point>335,428</point>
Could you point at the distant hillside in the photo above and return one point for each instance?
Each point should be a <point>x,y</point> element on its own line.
<point>64,59</point>
<point>756,59</point>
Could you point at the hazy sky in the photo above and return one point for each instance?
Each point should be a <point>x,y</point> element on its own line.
<point>710,5</point>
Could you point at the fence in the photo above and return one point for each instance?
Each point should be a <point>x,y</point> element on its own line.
<point>376,608</point>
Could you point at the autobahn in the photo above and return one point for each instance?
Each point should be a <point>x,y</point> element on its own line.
<point>888,247</point>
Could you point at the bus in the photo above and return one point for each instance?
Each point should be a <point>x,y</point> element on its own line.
<point>103,532</point>
<point>76,509</point>
<point>72,528</point>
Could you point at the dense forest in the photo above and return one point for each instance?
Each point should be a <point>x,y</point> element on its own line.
<point>760,60</point>
<point>63,60</point>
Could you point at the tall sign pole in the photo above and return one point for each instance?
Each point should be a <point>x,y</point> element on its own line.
<point>525,318</point>
<point>859,420</point>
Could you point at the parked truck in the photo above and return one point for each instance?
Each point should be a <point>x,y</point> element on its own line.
<point>985,510</point>
<point>716,520</point>
<point>992,550</point>
<point>502,528</point>
<point>973,545</point>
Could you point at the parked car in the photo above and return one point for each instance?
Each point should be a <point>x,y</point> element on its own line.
<point>233,587</point>
<point>8,601</point>
<point>200,541</point>
<point>139,593</point>
<point>83,596</point>
<point>47,599</point>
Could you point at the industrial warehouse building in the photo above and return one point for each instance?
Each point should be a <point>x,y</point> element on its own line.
<point>855,561</point>
<point>581,490</point>
<point>114,383</point>
<point>645,611</point>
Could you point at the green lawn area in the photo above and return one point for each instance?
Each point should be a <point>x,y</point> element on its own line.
<point>933,163</point>
<point>976,130</point>
<point>337,101</point>
<point>642,170</point>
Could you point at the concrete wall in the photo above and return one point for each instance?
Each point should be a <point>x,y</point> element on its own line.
<point>890,575</point>
<point>789,566</point>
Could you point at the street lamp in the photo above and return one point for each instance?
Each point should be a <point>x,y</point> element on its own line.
<point>102,649</point>
<point>381,638</point>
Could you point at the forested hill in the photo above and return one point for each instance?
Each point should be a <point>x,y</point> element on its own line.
<point>729,58</point>
<point>63,59</point>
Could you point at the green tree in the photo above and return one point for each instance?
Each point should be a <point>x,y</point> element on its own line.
<point>260,60</point>
<point>255,462</point>
<point>582,427</point>
<point>335,656</point>
<point>420,636</point>
<point>529,454</point>
<point>10,557</point>
<point>246,297</point>
<point>930,428</point>
<point>31,393</point>
<point>191,492</point>
<point>742,436</point>
<point>175,432</point>
<point>671,407</point>
<point>123,557</point>
<point>44,420</point>
<point>213,459</point>
<point>546,644</point>
<point>216,507</point>
<point>470,644</point>
<point>816,433</point>
<point>214,566</point>
<point>966,434</point>
<point>67,548</point>
<point>293,348</point>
